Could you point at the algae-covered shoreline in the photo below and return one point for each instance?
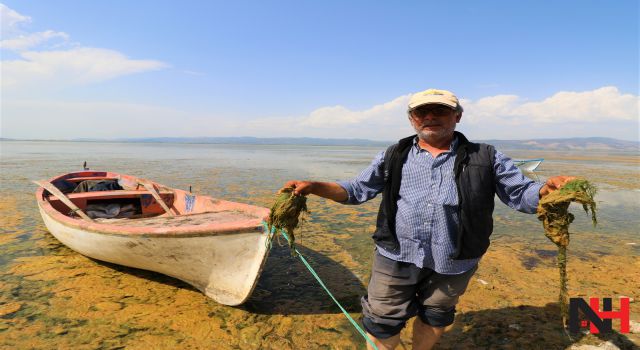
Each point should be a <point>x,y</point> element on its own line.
<point>52,297</point>
<point>63,300</point>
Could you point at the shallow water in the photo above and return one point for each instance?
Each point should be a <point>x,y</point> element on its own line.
<point>52,297</point>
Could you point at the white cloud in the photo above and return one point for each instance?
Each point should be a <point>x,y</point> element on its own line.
<point>381,121</point>
<point>489,108</point>
<point>493,116</point>
<point>76,66</point>
<point>44,68</point>
<point>24,42</point>
<point>68,119</point>
<point>11,20</point>
<point>599,105</point>
<point>339,116</point>
<point>600,112</point>
<point>606,103</point>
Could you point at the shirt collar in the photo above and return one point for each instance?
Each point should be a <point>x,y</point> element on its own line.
<point>452,148</point>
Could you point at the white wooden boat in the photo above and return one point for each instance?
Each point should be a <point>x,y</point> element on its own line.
<point>217,246</point>
<point>528,164</point>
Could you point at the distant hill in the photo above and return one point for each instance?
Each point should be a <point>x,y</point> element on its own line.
<point>578,144</point>
<point>253,141</point>
<point>583,143</point>
<point>568,144</point>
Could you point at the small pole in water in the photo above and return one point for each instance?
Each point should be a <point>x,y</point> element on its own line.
<point>190,189</point>
<point>84,166</point>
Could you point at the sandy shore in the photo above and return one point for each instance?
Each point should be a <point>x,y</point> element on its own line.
<point>63,299</point>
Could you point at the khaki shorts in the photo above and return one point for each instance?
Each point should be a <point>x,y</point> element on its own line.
<point>398,291</point>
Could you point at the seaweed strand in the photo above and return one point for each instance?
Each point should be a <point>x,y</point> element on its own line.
<point>553,211</point>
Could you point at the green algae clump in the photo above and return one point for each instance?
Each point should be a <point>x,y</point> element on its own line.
<point>286,213</point>
<point>553,211</point>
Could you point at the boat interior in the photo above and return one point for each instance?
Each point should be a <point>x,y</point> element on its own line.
<point>106,196</point>
<point>116,199</point>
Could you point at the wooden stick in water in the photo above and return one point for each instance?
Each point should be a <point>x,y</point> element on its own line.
<point>64,199</point>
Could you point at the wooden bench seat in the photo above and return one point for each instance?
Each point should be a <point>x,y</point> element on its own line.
<point>148,204</point>
<point>80,179</point>
<point>110,194</point>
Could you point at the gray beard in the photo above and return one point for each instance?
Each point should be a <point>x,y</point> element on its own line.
<point>427,135</point>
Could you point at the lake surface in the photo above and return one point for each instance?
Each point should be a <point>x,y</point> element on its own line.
<point>53,297</point>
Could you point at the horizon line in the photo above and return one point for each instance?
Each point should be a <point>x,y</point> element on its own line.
<point>137,139</point>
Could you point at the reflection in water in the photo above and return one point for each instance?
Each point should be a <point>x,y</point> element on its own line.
<point>52,297</point>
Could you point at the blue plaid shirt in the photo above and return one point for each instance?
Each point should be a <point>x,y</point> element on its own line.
<point>428,204</point>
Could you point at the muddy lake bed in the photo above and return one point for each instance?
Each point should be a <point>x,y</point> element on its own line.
<point>54,298</point>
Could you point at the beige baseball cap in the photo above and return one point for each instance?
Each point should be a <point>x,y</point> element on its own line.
<point>442,97</point>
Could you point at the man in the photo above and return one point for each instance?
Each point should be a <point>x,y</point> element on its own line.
<point>434,221</point>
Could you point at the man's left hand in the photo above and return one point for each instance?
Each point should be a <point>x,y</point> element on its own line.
<point>554,183</point>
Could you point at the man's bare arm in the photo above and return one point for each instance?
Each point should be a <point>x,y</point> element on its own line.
<point>329,190</point>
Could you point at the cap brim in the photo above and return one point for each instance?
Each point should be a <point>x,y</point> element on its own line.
<point>433,103</point>
<point>434,99</point>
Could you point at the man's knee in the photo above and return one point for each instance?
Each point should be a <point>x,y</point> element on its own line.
<point>376,320</point>
<point>437,317</point>
<point>381,330</point>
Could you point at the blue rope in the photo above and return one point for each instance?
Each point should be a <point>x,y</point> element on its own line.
<point>313,272</point>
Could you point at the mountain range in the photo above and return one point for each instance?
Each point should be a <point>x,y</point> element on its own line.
<point>578,144</point>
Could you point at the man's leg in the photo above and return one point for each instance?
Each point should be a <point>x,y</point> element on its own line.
<point>438,297</point>
<point>384,344</point>
<point>391,300</point>
<point>424,335</point>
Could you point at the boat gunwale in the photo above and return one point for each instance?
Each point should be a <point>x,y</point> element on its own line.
<point>234,227</point>
<point>522,164</point>
<point>528,160</point>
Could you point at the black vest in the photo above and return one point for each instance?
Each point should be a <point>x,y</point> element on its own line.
<point>475,182</point>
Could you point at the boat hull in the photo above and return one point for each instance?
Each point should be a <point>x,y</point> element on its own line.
<point>224,267</point>
<point>528,165</point>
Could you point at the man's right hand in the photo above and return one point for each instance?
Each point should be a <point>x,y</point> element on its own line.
<point>329,190</point>
<point>300,187</point>
<point>554,183</point>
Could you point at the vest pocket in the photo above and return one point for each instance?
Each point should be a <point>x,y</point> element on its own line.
<point>482,200</point>
<point>481,186</point>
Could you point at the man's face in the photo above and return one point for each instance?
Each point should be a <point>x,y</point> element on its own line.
<point>434,122</point>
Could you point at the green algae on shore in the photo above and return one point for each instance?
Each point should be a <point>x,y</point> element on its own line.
<point>285,214</point>
<point>553,211</point>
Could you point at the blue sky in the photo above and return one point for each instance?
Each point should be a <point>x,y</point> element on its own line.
<point>110,69</point>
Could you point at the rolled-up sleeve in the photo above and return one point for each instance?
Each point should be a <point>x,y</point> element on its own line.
<point>368,184</point>
<point>514,189</point>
